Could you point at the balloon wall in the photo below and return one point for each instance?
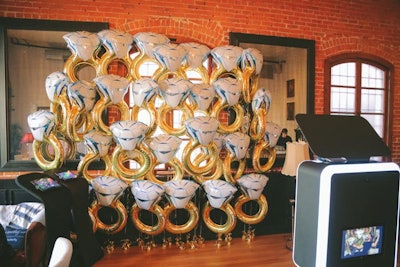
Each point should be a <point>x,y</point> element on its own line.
<point>216,153</point>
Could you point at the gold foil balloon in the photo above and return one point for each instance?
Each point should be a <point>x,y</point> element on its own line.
<point>98,145</point>
<point>82,97</point>
<point>108,190</point>
<point>229,91</point>
<point>41,124</point>
<point>146,42</point>
<point>147,194</point>
<point>251,219</point>
<point>143,91</point>
<point>202,130</point>
<point>171,57</point>
<point>174,91</point>
<point>164,148</point>
<point>118,45</point>
<point>252,186</point>
<point>219,193</point>
<point>56,89</point>
<point>196,54</point>
<point>179,193</point>
<point>251,65</point>
<point>202,95</point>
<point>227,59</point>
<point>128,136</point>
<point>236,145</point>
<point>263,150</point>
<point>83,46</point>
<point>112,89</point>
<point>260,105</point>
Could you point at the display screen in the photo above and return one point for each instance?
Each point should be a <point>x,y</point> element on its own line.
<point>359,242</point>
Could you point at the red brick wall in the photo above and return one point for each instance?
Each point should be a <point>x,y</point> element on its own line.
<point>337,26</point>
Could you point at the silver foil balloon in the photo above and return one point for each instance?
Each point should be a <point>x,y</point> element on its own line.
<point>108,189</point>
<point>82,43</point>
<point>116,41</point>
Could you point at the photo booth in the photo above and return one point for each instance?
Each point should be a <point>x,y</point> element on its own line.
<point>347,205</point>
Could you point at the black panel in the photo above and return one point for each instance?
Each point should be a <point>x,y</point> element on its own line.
<point>334,136</point>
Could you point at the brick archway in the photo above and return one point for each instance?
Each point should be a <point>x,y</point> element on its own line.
<point>201,31</point>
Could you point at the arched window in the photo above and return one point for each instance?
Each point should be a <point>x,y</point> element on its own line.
<point>359,84</point>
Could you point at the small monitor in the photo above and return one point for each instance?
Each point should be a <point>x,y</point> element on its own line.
<point>361,242</point>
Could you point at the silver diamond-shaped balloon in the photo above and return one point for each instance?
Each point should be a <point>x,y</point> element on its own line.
<point>128,133</point>
<point>146,193</point>
<point>112,86</point>
<point>82,43</point>
<point>41,123</point>
<point>116,41</point>
<point>229,89</point>
<point>272,133</point>
<point>82,94</point>
<point>253,58</point>
<point>253,184</point>
<point>237,143</point>
<point>195,53</point>
<point>228,56</point>
<point>56,82</point>
<point>108,189</point>
<point>202,129</point>
<point>202,94</point>
<point>219,192</point>
<point>143,90</point>
<point>175,90</point>
<point>179,192</point>
<point>261,99</point>
<point>170,55</point>
<point>164,147</point>
<point>147,41</point>
<point>98,142</point>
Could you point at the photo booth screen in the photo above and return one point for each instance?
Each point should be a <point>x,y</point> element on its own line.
<point>359,242</point>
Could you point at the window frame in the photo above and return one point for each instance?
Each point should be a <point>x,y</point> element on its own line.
<point>359,58</point>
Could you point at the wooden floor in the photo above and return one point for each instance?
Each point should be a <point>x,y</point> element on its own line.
<point>266,250</point>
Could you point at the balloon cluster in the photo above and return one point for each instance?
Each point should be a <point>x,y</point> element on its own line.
<point>229,86</point>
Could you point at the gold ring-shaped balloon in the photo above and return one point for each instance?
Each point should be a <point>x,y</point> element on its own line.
<point>164,73</point>
<point>93,219</point>
<point>250,83</point>
<point>75,63</point>
<point>137,63</point>
<point>182,228</point>
<point>77,119</point>
<point>225,228</point>
<point>101,105</point>
<point>145,228</point>
<point>61,108</point>
<point>85,162</point>
<point>214,174</point>
<point>258,124</point>
<point>187,113</point>
<point>270,155</point>
<point>222,72</point>
<point>209,156</point>
<point>251,219</point>
<point>41,155</point>
<point>150,108</point>
<point>174,163</point>
<point>200,70</point>
<point>228,168</point>
<point>109,58</point>
<point>122,217</point>
<point>140,155</point>
<point>239,116</point>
